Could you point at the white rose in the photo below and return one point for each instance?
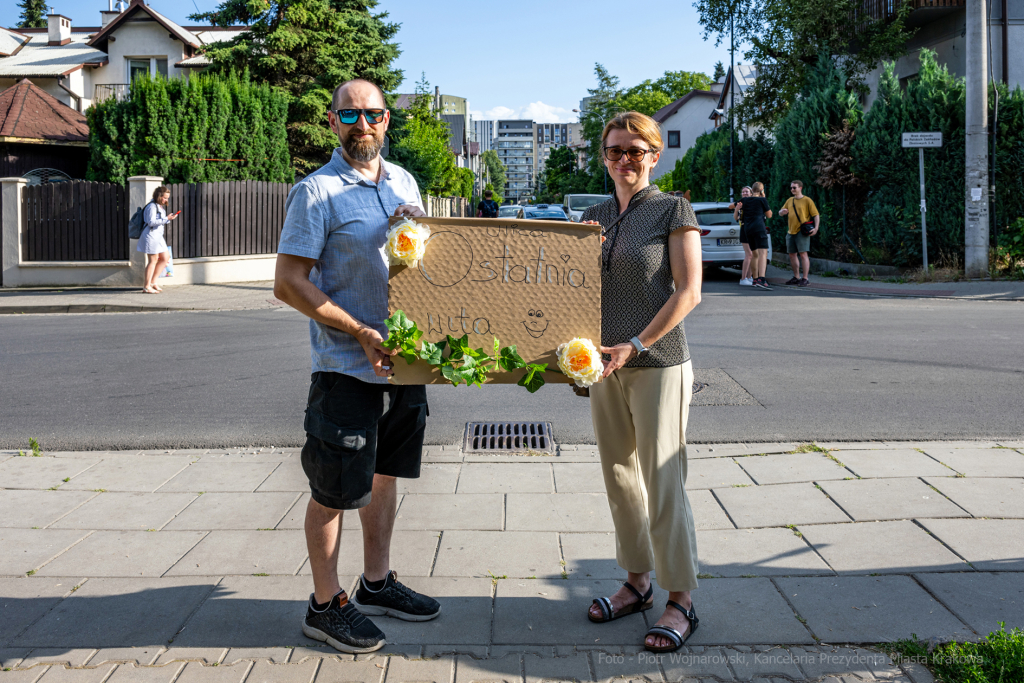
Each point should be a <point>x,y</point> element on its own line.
<point>580,360</point>
<point>407,242</point>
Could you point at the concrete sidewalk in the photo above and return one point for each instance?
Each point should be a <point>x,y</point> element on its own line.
<point>234,296</point>
<point>154,566</point>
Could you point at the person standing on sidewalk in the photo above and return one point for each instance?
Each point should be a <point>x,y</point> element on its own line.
<point>152,241</point>
<point>651,279</point>
<point>754,210</point>
<point>803,225</point>
<point>488,208</point>
<point>746,280</point>
<point>361,432</point>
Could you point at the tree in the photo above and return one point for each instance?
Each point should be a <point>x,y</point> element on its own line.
<point>562,176</point>
<point>719,71</point>
<point>785,37</point>
<point>33,14</point>
<point>307,48</point>
<point>420,146</point>
<point>494,172</point>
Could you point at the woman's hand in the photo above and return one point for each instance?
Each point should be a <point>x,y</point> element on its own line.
<point>620,355</point>
<point>593,223</point>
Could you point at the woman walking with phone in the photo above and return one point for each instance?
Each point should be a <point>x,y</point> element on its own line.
<point>152,241</point>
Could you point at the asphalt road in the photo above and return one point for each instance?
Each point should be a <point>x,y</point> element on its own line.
<point>794,364</point>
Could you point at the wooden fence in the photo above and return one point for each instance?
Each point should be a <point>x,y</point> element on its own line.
<point>76,220</point>
<point>447,207</point>
<point>229,218</point>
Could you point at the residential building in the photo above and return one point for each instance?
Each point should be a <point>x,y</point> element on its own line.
<point>734,84</point>
<point>551,136</point>
<point>514,143</point>
<point>79,65</point>
<point>455,112</point>
<point>37,131</point>
<point>484,132</point>
<point>681,123</point>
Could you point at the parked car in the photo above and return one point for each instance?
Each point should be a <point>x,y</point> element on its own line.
<point>575,204</point>
<point>509,211</point>
<point>542,212</point>
<point>720,235</point>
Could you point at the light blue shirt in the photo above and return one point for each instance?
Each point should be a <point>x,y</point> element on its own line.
<point>338,217</point>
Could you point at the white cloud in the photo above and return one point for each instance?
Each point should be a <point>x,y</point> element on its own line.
<point>500,112</point>
<point>476,114</point>
<point>537,111</point>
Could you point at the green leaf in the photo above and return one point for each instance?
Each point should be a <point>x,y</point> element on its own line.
<point>450,373</point>
<point>509,359</point>
<point>533,379</point>
<point>459,347</point>
<point>432,353</point>
<point>497,347</point>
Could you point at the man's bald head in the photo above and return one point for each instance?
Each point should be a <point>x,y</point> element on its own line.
<point>358,93</point>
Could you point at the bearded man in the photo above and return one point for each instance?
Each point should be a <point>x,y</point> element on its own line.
<point>361,432</point>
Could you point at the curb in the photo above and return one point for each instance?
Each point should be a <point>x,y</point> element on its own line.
<point>87,308</point>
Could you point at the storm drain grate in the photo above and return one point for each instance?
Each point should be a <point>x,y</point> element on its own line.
<point>508,437</point>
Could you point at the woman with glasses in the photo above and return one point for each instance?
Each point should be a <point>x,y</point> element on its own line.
<point>651,279</point>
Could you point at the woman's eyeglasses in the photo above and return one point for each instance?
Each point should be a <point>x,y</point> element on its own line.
<point>350,116</point>
<point>633,153</point>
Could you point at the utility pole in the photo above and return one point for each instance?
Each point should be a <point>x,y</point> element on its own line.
<point>976,237</point>
<point>732,98</point>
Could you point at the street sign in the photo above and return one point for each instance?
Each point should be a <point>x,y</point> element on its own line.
<point>922,139</point>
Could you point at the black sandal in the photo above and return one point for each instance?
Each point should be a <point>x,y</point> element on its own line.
<point>644,602</point>
<point>668,632</point>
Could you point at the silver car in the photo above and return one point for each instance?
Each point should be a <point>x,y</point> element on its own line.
<point>508,210</point>
<point>720,235</point>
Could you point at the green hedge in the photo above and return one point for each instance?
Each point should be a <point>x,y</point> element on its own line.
<point>205,128</point>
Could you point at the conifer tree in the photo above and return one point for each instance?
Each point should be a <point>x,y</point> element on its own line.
<point>719,71</point>
<point>33,14</point>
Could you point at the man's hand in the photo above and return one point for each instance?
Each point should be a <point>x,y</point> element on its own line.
<point>409,210</point>
<point>783,212</point>
<point>813,232</point>
<point>620,355</point>
<point>371,341</point>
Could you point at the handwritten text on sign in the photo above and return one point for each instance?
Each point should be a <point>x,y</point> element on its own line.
<point>535,284</point>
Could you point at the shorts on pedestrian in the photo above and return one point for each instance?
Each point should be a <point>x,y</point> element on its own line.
<point>757,236</point>
<point>350,436</point>
<point>798,243</point>
<point>743,235</point>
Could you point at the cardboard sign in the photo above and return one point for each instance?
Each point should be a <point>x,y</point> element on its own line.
<point>535,284</point>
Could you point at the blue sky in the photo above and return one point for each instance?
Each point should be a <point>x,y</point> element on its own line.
<point>531,59</point>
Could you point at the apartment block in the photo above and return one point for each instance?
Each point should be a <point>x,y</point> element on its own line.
<point>551,136</point>
<point>514,142</point>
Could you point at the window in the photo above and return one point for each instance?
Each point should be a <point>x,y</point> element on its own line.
<point>150,66</point>
<point>673,138</point>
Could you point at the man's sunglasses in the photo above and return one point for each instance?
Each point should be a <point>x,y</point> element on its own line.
<point>350,116</point>
<point>634,153</point>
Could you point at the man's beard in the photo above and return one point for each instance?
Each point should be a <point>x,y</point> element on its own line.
<point>363,149</point>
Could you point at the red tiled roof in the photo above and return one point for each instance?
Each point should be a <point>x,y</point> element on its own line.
<point>26,111</point>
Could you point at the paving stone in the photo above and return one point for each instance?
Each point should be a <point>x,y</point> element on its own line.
<point>825,660</point>
<point>880,499</point>
<point>726,450</point>
<point>1002,498</point>
<point>221,476</point>
<point>507,669</point>
<point>573,477</point>
<point>870,609</point>
<point>335,670</point>
<point>628,667</point>
<point>21,675</point>
<point>774,661</point>
<point>707,511</point>
<point>982,599</point>
<point>59,674</point>
<point>251,611</point>
<point>481,511</point>
<point>144,656</point>
<point>925,445</point>
<point>553,611</point>
<point>10,656</point>
<point>118,613</point>
<point>981,462</point>
<point>497,553</point>
<point>32,509</point>
<point>899,547</point>
<point>22,550</point>
<point>295,518</point>
<point>317,652</point>
<point>402,670</point>
<point>574,667</point>
<point>243,552</point>
<point>713,473</point>
<point>465,613</point>
<point>757,552</point>
<point>129,473</point>
<point>57,655</point>
<point>264,671</point>
<point>128,511</point>
<point>412,554</point>
<point>506,478</point>
<point>289,476</point>
<point>42,472</point>
<point>194,672</point>
<point>124,553</point>
<point>689,663</point>
<point>988,544</point>
<point>558,512</point>
<point>918,673</point>
<point>247,511</point>
<point>433,479</point>
<point>902,462</point>
<point>24,600</point>
<point>789,468</point>
<point>779,505</point>
<point>738,612</point>
<point>591,556</point>
<point>277,655</point>
<point>203,655</point>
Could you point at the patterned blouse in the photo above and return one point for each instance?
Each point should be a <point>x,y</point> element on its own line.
<point>636,277</point>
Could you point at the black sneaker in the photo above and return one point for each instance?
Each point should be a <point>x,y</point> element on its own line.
<point>793,281</point>
<point>803,282</point>
<point>395,600</point>
<point>761,283</point>
<point>342,626</point>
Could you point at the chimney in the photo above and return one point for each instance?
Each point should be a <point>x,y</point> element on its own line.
<point>107,16</point>
<point>59,29</point>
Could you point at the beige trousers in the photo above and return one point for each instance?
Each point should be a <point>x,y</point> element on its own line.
<point>640,420</point>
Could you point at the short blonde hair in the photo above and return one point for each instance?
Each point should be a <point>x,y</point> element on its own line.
<point>757,188</point>
<point>638,124</point>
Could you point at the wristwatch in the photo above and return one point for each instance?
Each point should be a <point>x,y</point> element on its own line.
<point>641,350</point>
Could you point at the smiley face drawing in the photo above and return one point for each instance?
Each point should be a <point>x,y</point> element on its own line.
<point>537,325</point>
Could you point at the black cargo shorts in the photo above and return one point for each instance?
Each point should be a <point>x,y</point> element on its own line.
<point>350,437</point>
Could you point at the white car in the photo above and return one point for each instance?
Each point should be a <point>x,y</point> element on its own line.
<point>575,204</point>
<point>720,235</point>
<point>508,211</point>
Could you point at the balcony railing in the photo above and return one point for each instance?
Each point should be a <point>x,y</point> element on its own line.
<point>887,9</point>
<point>105,91</point>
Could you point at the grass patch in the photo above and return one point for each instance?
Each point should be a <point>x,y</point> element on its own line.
<point>810,448</point>
<point>705,575</point>
<point>999,658</point>
<point>30,572</point>
<point>834,459</point>
<point>261,574</point>
<point>796,532</point>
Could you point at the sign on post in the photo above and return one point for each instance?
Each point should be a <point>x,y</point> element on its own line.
<point>920,141</point>
<point>533,283</point>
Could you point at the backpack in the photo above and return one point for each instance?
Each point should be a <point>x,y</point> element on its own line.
<point>137,224</point>
<point>490,209</point>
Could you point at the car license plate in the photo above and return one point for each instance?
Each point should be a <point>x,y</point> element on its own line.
<point>729,242</point>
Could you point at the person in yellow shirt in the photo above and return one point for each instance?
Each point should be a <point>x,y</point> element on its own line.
<point>800,210</point>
